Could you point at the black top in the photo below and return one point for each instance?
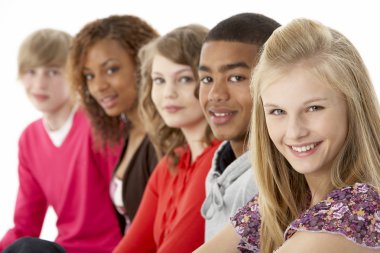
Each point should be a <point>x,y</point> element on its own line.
<point>136,177</point>
<point>225,157</point>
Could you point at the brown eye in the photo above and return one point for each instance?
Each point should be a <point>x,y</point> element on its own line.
<point>206,80</point>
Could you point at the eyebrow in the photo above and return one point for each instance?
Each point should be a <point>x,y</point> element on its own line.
<point>185,69</point>
<point>103,64</point>
<point>312,100</point>
<point>226,67</point>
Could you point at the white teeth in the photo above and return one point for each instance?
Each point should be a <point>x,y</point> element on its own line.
<point>106,99</point>
<point>221,114</point>
<point>303,148</point>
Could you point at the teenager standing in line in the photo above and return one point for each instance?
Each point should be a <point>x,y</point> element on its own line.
<point>104,69</point>
<point>59,165</point>
<point>169,219</point>
<point>229,54</point>
<point>315,149</point>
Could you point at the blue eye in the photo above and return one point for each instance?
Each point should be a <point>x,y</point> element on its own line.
<point>158,80</point>
<point>30,72</point>
<point>315,108</point>
<point>52,72</point>
<point>186,79</point>
<point>277,112</point>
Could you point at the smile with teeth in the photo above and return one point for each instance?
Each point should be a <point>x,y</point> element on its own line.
<point>221,114</point>
<point>304,148</point>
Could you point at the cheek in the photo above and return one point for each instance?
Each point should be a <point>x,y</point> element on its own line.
<point>203,94</point>
<point>90,89</point>
<point>155,95</point>
<point>274,131</point>
<point>26,83</point>
<point>63,87</point>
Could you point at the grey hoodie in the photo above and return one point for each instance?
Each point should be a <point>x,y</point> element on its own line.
<point>226,192</point>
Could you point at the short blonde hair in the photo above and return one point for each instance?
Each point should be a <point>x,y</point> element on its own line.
<point>44,47</point>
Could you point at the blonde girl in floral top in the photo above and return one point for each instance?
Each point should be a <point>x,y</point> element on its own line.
<point>315,148</point>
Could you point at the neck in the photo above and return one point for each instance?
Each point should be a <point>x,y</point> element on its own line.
<point>56,119</point>
<point>194,137</point>
<point>319,185</point>
<point>239,147</point>
<point>134,117</point>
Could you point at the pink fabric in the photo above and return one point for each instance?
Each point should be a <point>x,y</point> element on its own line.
<point>169,219</point>
<point>73,179</point>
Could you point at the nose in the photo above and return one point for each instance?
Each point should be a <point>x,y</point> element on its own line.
<point>296,127</point>
<point>170,90</point>
<point>218,92</point>
<point>98,84</point>
<point>41,81</point>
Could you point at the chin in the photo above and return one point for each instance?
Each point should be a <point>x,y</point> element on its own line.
<point>112,113</point>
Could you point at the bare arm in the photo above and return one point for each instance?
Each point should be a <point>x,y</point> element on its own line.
<point>225,241</point>
<point>315,242</point>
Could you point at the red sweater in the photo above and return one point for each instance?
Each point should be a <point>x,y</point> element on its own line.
<point>74,180</point>
<point>169,219</point>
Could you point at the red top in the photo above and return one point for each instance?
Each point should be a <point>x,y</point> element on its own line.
<point>169,219</point>
<point>72,178</point>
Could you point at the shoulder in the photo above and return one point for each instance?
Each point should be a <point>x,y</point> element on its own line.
<point>81,117</point>
<point>353,212</point>
<point>247,222</point>
<point>32,129</point>
<point>315,242</point>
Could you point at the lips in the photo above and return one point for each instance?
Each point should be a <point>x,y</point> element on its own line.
<point>304,149</point>
<point>40,97</point>
<point>172,108</point>
<point>221,116</point>
<point>108,102</point>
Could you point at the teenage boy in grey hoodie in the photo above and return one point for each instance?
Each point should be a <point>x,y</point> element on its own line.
<point>228,56</point>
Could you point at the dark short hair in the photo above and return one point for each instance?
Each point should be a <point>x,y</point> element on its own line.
<point>246,27</point>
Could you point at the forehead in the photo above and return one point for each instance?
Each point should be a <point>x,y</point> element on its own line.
<point>298,85</point>
<point>215,54</point>
<point>106,49</point>
<point>108,46</point>
<point>165,65</point>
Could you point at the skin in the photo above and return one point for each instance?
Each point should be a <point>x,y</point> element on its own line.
<point>110,74</point>
<point>173,95</point>
<point>321,242</point>
<point>225,70</point>
<point>48,91</point>
<point>225,241</point>
<point>308,125</point>
<point>311,113</point>
<point>111,80</point>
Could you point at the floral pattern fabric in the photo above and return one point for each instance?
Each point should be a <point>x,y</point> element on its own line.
<point>353,212</point>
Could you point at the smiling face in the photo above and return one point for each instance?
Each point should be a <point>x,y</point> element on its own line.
<point>110,74</point>
<point>307,121</point>
<point>225,71</point>
<point>173,94</point>
<point>47,88</point>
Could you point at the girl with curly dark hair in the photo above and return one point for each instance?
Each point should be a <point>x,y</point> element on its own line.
<point>104,70</point>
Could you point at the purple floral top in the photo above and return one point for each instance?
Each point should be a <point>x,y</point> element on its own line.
<point>353,212</point>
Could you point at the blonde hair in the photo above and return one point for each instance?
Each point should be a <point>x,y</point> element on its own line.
<point>183,46</point>
<point>44,47</point>
<point>332,58</point>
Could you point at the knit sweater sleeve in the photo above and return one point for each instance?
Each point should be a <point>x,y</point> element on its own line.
<point>31,204</point>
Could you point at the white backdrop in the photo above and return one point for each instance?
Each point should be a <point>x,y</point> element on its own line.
<point>358,20</point>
